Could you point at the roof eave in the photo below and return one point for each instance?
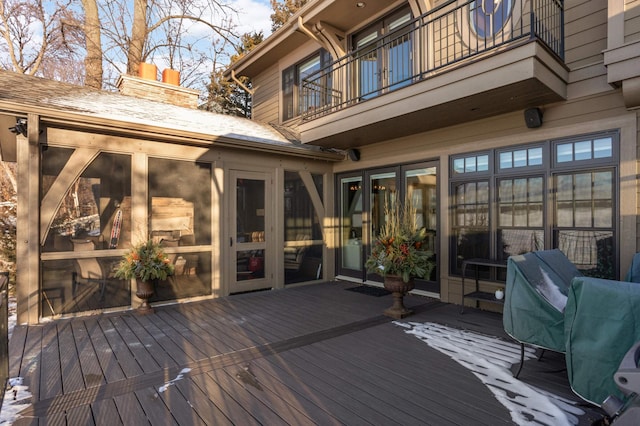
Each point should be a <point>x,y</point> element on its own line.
<point>78,121</point>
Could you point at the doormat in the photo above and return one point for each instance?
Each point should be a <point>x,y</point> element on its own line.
<point>369,290</point>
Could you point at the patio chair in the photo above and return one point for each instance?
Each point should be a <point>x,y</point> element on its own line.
<point>535,297</point>
<point>88,269</point>
<point>602,322</point>
<point>293,256</point>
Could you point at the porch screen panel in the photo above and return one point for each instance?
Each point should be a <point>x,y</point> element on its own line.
<point>180,220</point>
<point>93,218</point>
<point>303,254</point>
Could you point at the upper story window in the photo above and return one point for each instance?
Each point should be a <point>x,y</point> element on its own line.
<point>384,59</point>
<point>293,103</point>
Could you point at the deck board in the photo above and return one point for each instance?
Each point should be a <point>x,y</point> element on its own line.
<point>140,353</point>
<point>202,404</point>
<point>72,379</point>
<point>112,372</point>
<point>130,410</point>
<point>79,416</point>
<point>30,365</point>
<point>89,364</point>
<point>51,381</point>
<point>229,407</point>
<point>314,354</point>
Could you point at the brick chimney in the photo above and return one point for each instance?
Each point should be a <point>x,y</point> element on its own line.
<point>147,86</point>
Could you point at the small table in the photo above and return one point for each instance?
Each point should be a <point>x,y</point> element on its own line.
<point>478,295</point>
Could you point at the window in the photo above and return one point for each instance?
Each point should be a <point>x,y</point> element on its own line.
<point>294,101</point>
<point>384,59</point>
<point>500,208</point>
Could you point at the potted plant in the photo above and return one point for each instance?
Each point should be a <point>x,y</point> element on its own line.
<point>400,254</point>
<point>146,262</point>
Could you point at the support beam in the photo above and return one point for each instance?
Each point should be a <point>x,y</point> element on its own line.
<point>27,235</point>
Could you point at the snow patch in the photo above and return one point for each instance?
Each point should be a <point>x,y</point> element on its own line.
<point>490,360</point>
<point>16,399</point>
<point>180,376</point>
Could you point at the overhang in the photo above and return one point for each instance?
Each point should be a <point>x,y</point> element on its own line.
<point>520,77</point>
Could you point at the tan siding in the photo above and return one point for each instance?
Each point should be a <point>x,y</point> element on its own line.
<point>585,32</point>
<point>591,114</point>
<point>632,21</point>
<point>637,183</point>
<point>587,81</point>
<point>265,100</point>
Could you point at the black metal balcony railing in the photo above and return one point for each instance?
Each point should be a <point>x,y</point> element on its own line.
<point>446,35</point>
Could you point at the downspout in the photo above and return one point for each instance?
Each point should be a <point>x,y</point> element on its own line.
<point>241,84</point>
<point>306,31</point>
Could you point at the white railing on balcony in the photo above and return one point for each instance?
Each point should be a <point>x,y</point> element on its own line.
<point>453,32</point>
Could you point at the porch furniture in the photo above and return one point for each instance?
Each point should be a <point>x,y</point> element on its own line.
<point>536,294</point>
<point>88,269</point>
<point>602,321</point>
<point>478,295</point>
<point>593,321</point>
<point>293,256</point>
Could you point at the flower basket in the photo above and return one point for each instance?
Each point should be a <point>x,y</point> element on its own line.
<point>400,254</point>
<point>147,263</point>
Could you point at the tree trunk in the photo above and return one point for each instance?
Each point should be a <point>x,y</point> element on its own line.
<point>138,36</point>
<point>93,60</point>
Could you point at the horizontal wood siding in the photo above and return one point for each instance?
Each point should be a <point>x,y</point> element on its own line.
<point>632,21</point>
<point>585,32</point>
<point>265,101</point>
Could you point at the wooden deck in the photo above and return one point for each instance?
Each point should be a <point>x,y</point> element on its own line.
<point>316,354</point>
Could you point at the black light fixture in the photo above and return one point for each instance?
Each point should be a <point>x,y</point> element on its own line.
<point>533,118</point>
<point>20,128</point>
<point>353,154</point>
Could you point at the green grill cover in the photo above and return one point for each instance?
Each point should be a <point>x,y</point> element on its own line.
<point>535,296</point>
<point>633,275</point>
<point>602,321</point>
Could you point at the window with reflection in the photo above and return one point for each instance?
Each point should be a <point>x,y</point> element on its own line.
<point>470,222</point>
<point>351,222</point>
<point>584,228</point>
<point>302,231</point>
<point>422,190</point>
<point>582,177</point>
<point>180,220</point>
<point>91,196</point>
<point>520,216</point>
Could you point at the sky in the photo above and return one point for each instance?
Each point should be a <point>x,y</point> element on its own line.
<point>254,15</point>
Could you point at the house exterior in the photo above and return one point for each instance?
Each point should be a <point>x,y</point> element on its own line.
<point>511,125</point>
<point>235,204</point>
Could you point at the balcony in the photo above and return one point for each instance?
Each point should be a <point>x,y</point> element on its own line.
<point>459,62</point>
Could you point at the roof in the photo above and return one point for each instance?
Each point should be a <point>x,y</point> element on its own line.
<point>71,104</point>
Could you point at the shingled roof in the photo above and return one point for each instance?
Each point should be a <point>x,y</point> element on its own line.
<point>49,98</point>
